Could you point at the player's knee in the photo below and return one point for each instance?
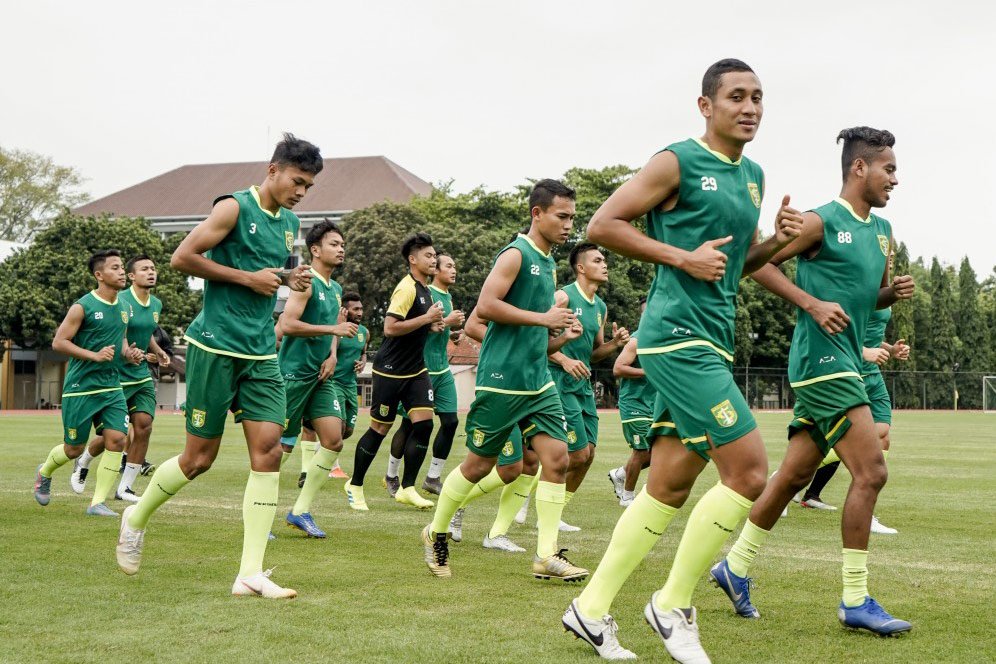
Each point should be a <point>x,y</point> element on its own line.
<point>530,465</point>
<point>347,431</point>
<point>142,427</point>
<point>73,451</point>
<point>510,472</point>
<point>197,464</point>
<point>579,459</point>
<point>334,445</point>
<point>873,477</point>
<point>114,443</point>
<point>287,449</point>
<point>421,432</point>
<point>885,439</point>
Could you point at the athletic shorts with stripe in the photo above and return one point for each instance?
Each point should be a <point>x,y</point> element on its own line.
<point>412,392</point>
<point>821,409</point>
<point>493,415</point>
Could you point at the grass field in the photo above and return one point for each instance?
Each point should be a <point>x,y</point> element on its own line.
<point>366,596</point>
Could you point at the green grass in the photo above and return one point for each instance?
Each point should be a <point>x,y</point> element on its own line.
<point>366,596</point>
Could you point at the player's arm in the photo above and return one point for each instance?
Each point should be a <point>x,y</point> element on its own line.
<point>63,341</point>
<point>157,354</point>
<point>131,353</point>
<point>877,356</point>
<point>612,224</point>
<point>402,300</point>
<point>603,348</point>
<point>291,324</point>
<point>492,306</point>
<point>475,327</point>
<point>901,288</point>
<point>623,367</point>
<point>788,226</point>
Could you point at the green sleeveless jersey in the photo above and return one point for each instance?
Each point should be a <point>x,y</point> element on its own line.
<point>874,336</point>
<point>513,357</point>
<point>591,314</point>
<point>847,270</point>
<point>636,395</point>
<point>436,360</point>
<point>348,352</point>
<point>104,324</point>
<point>301,357</point>
<point>716,197</point>
<point>143,319</point>
<point>235,320</point>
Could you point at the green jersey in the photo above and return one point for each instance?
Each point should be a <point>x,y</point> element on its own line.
<point>235,320</point>
<point>143,319</point>
<point>717,197</point>
<point>636,395</point>
<point>513,357</point>
<point>436,359</point>
<point>104,324</point>
<point>591,315</point>
<point>301,357</point>
<point>848,270</point>
<point>874,336</point>
<point>348,352</point>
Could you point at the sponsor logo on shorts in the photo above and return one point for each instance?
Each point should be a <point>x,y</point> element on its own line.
<point>384,410</point>
<point>755,194</point>
<point>572,437</point>
<point>682,330</point>
<point>72,434</point>
<point>289,240</point>
<point>725,414</point>
<point>827,359</point>
<point>197,418</point>
<point>478,438</point>
<point>508,450</point>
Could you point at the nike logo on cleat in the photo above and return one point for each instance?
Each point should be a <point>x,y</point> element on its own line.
<point>736,596</point>
<point>595,639</point>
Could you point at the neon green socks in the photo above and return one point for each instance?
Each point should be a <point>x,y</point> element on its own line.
<point>491,482</point>
<point>638,529</point>
<point>549,506</point>
<point>746,548</point>
<point>308,449</point>
<point>56,458</point>
<point>165,482</point>
<point>855,574</point>
<point>259,506</point>
<point>717,514</point>
<point>831,457</point>
<point>318,471</point>
<point>107,474</point>
<point>512,497</point>
<point>454,492</point>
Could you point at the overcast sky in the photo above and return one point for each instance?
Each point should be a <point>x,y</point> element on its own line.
<point>493,93</point>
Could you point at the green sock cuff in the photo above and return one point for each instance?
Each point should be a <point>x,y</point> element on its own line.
<point>549,492</point>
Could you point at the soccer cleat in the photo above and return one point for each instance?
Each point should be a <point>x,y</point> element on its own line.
<point>456,526</point>
<point>337,473</point>
<point>301,478</point>
<point>127,495</point>
<point>737,588</point>
<point>355,496</point>
<point>557,566</point>
<point>520,516</point>
<point>392,484</point>
<point>77,481</point>
<point>100,509</point>
<point>305,522</point>
<point>270,536</point>
<point>880,528</point>
<point>130,542</point>
<point>627,498</point>
<point>502,543</point>
<point>599,634</point>
<point>261,586</point>
<point>43,488</point>
<point>785,512</point>
<point>409,496</point>
<point>816,504</point>
<point>679,632</point>
<point>437,552</point>
<point>568,528</point>
<point>432,485</point>
<point>618,483</point>
<point>872,617</point>
<point>797,498</point>
<point>147,468</point>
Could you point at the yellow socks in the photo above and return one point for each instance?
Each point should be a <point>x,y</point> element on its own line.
<point>855,574</point>
<point>550,499</point>
<point>308,448</point>
<point>454,492</point>
<point>165,482</point>
<point>491,482</point>
<point>318,471</point>
<point>259,505</point>
<point>57,457</point>
<point>107,475</point>
<point>745,549</point>
<point>512,497</point>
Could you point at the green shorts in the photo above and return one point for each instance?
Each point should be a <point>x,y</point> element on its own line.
<point>349,402</point>
<point>310,400</point>
<point>697,399</point>
<point>512,451</point>
<point>821,409</point>
<point>493,415</point>
<point>878,398</point>
<point>444,395</point>
<point>141,397</point>
<point>582,419</point>
<point>636,431</point>
<point>252,389</point>
<point>100,410</point>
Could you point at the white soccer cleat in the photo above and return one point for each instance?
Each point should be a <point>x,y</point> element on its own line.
<point>260,585</point>
<point>77,481</point>
<point>627,498</point>
<point>567,528</point>
<point>599,634</point>
<point>502,543</point>
<point>679,631</point>
<point>456,526</point>
<point>127,495</point>
<point>880,528</point>
<point>130,543</point>
<point>520,516</point>
<point>785,512</point>
<point>797,498</point>
<point>618,478</point>
<point>814,504</point>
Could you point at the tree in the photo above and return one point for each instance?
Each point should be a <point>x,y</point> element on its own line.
<point>942,348</point>
<point>34,190</point>
<point>903,385</point>
<point>974,334</point>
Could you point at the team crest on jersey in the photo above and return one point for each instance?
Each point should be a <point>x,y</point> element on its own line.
<point>289,240</point>
<point>883,244</point>
<point>155,317</point>
<point>509,449</point>
<point>124,316</point>
<point>725,414</point>
<point>600,319</point>
<point>359,337</point>
<point>572,437</point>
<point>197,417</point>
<point>755,194</point>
<point>478,438</point>
<point>338,300</point>
<point>384,410</point>
<point>72,434</point>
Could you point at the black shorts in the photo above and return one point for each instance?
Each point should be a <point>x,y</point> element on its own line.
<point>413,392</point>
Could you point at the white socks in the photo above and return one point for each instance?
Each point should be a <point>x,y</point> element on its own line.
<point>86,458</point>
<point>393,465</point>
<point>131,471</point>
<point>436,468</point>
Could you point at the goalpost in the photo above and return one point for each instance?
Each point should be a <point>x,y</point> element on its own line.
<point>989,394</point>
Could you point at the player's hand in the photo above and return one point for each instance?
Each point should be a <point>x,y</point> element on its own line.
<point>327,368</point>
<point>455,319</point>
<point>435,314</point>
<point>558,318</point>
<point>877,356</point>
<point>901,350</point>
<point>707,263</point>
<point>151,358</point>
<point>903,287</point>
<point>265,281</point>
<point>299,278</point>
<point>456,337</point>
<point>358,366</point>
<point>105,354</point>
<point>575,330</point>
<point>788,223</point>
<point>620,335</point>
<point>829,315</point>
<point>345,330</point>
<point>163,359</point>
<point>575,368</point>
<point>438,326</point>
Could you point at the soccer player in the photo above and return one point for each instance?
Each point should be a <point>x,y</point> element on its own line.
<point>143,310</point>
<point>514,385</point>
<point>352,354</point>
<point>444,397</point>
<point>399,374</point>
<point>239,251</point>
<point>702,198</point>
<point>636,412</point>
<point>843,253</point>
<point>308,357</point>
<point>93,336</point>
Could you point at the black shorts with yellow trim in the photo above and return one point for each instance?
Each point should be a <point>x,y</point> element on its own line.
<point>413,392</point>
<point>821,406</point>
<point>494,414</point>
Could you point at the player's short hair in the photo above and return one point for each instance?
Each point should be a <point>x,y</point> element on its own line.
<point>297,152</point>
<point>862,143</point>
<point>546,190</point>
<point>440,254</point>
<point>415,243</point>
<point>130,265</point>
<point>351,296</point>
<point>98,259</point>
<point>319,231</point>
<point>714,74</point>
<point>579,249</point>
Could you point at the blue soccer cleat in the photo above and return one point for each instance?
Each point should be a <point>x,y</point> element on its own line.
<point>737,588</point>
<point>872,617</point>
<point>304,522</point>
